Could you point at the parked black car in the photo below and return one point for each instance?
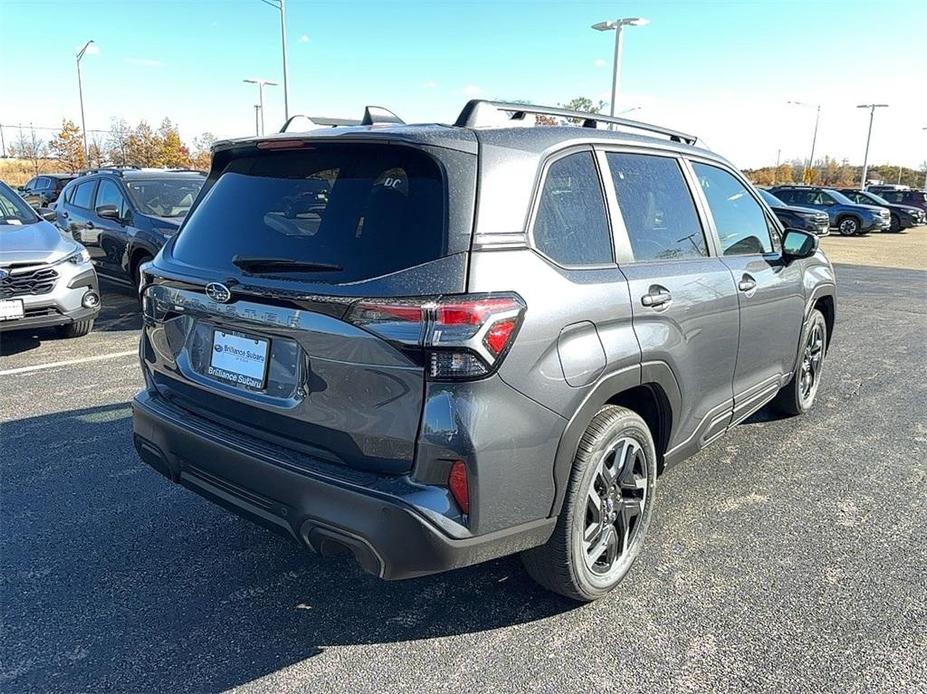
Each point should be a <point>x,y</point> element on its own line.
<point>124,216</point>
<point>848,217</point>
<point>41,191</point>
<point>903,216</point>
<point>803,218</point>
<point>912,198</point>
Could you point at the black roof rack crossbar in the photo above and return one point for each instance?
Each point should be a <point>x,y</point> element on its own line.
<point>479,112</point>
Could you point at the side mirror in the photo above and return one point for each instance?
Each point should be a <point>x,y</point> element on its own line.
<point>799,244</point>
<point>108,212</point>
<point>47,214</point>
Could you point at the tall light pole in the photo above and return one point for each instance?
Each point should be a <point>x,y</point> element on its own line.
<point>872,108</point>
<point>80,93</point>
<point>281,6</point>
<point>806,176</point>
<point>925,171</point>
<point>257,123</point>
<point>616,26</point>
<point>261,83</point>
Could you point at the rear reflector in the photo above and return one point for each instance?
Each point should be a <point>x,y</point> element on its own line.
<point>459,485</point>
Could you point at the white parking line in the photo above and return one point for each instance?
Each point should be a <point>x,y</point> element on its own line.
<point>69,362</point>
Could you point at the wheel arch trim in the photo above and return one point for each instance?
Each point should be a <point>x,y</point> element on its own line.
<point>655,374</point>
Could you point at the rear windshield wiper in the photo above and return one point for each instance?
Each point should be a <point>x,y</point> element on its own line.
<point>282,265</point>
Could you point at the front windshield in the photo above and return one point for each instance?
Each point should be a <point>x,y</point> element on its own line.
<point>873,198</point>
<point>13,209</point>
<point>165,197</point>
<point>770,199</point>
<point>840,198</point>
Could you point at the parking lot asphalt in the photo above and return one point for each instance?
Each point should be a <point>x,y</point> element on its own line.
<point>790,555</point>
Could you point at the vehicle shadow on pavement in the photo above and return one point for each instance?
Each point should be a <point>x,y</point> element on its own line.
<point>114,578</point>
<point>120,312</point>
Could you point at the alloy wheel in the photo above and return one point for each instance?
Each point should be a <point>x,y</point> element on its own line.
<point>848,227</point>
<point>812,359</point>
<point>614,505</point>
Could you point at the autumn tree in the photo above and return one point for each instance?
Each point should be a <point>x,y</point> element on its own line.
<point>173,152</point>
<point>142,146</point>
<point>68,147</point>
<point>584,104</point>
<point>29,146</point>
<point>202,150</point>
<point>117,144</point>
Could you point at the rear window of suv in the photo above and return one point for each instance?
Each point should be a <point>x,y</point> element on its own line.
<point>358,211</point>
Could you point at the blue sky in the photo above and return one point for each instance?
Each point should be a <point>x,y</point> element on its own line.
<point>722,70</point>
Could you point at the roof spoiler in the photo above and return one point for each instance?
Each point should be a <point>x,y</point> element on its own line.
<point>480,113</point>
<point>372,115</point>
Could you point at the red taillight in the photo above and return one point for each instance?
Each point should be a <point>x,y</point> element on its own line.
<point>466,336</point>
<point>459,485</point>
<point>497,339</point>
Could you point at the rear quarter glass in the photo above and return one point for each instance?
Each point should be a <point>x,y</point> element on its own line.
<point>369,209</point>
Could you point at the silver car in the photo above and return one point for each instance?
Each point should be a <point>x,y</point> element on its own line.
<point>45,279</point>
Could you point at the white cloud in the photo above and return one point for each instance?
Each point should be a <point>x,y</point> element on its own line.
<point>304,38</point>
<point>430,84</point>
<point>472,90</point>
<point>600,62</point>
<point>144,62</point>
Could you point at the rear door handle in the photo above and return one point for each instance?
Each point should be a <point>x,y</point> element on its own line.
<point>746,284</point>
<point>658,296</point>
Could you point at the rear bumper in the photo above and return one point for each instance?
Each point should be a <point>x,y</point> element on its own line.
<point>388,536</point>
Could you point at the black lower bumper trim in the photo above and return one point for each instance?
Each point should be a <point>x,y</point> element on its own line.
<point>48,320</point>
<point>386,535</point>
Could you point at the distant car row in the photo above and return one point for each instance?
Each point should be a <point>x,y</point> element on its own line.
<point>850,211</point>
<point>109,221</point>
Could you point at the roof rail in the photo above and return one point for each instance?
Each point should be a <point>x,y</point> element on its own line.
<point>372,115</point>
<point>109,169</point>
<point>317,122</point>
<point>186,170</point>
<point>480,112</point>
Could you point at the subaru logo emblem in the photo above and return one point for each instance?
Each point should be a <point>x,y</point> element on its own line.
<point>218,292</point>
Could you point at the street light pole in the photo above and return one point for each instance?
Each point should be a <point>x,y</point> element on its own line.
<point>260,83</point>
<point>806,176</point>
<point>257,126</point>
<point>280,5</point>
<point>925,171</point>
<point>872,108</point>
<point>616,26</point>
<point>80,93</point>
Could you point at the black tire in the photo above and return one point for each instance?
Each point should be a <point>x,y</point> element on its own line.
<point>76,329</point>
<point>136,269</point>
<point>565,564</point>
<point>896,224</point>
<point>796,398</point>
<point>849,226</point>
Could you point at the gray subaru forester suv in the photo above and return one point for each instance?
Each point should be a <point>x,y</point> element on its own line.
<point>432,345</point>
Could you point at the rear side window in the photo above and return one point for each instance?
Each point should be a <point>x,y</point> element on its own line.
<point>361,210</point>
<point>571,227</point>
<point>657,207</point>
<point>740,221</point>
<point>83,195</point>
